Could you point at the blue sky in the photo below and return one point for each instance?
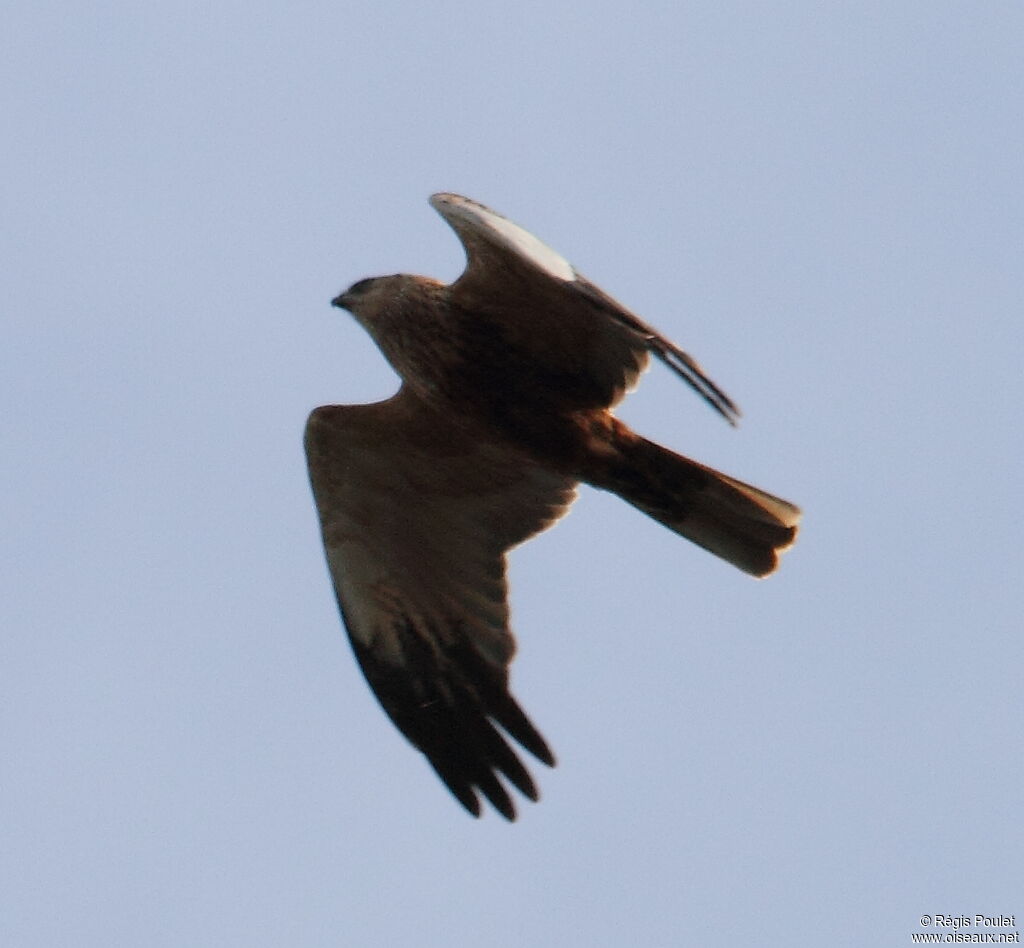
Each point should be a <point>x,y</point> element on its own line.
<point>821,202</point>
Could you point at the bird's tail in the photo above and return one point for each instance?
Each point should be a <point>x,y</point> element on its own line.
<point>742,524</point>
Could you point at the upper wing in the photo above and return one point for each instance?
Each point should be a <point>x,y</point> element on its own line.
<point>416,519</point>
<point>584,334</point>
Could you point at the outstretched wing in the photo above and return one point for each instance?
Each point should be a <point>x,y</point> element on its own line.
<point>417,518</point>
<point>578,331</point>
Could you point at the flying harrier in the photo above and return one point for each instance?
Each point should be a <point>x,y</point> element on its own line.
<point>508,376</point>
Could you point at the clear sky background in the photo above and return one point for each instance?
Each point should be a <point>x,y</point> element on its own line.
<point>821,202</point>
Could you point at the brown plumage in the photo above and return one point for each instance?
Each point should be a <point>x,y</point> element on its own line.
<point>509,376</point>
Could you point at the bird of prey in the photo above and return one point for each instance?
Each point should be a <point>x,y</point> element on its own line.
<point>509,376</point>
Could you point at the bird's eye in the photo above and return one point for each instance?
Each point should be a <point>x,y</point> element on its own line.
<point>361,286</point>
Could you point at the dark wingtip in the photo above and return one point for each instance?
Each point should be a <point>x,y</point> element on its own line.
<point>457,713</point>
<point>518,726</point>
<point>687,368</point>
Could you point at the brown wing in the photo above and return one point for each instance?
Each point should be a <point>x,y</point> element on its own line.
<point>417,518</point>
<point>571,328</point>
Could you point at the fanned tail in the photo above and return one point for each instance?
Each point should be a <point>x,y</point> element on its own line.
<point>738,522</point>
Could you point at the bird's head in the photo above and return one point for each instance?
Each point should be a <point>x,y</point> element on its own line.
<point>398,311</point>
<point>380,303</point>
<point>370,299</point>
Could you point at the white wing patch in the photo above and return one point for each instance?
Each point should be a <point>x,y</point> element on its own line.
<point>511,235</point>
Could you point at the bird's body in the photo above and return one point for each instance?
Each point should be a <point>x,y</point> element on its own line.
<point>509,378</point>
